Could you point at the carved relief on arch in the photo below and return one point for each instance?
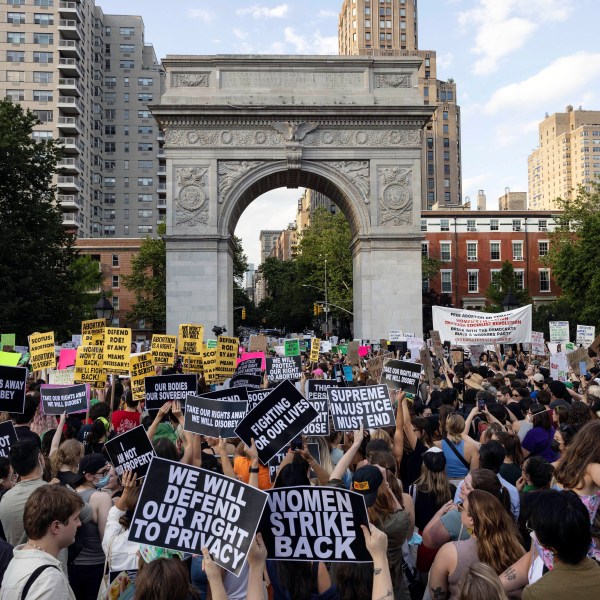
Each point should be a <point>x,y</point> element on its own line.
<point>191,202</point>
<point>356,171</point>
<point>231,171</point>
<point>395,196</point>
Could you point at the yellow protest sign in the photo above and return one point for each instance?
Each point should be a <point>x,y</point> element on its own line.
<point>189,340</point>
<point>140,366</point>
<point>315,347</point>
<point>209,361</point>
<point>88,366</point>
<point>227,354</point>
<point>91,328</point>
<point>192,363</point>
<point>117,350</point>
<point>41,349</point>
<point>163,349</point>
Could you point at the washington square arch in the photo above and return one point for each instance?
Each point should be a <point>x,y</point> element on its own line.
<point>349,127</point>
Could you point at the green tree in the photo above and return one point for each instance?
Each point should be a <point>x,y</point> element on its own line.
<point>39,291</point>
<point>87,280</point>
<point>503,282</point>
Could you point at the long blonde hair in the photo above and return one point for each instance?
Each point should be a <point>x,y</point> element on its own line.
<point>455,425</point>
<point>436,483</point>
<point>69,454</point>
<point>480,581</point>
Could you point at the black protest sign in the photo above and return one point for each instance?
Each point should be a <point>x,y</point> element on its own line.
<point>69,399</point>
<point>276,421</point>
<point>185,508</point>
<point>315,523</point>
<point>12,389</point>
<point>255,397</point>
<point>131,451</point>
<point>250,366</point>
<point>317,396</point>
<point>168,388</point>
<point>369,405</point>
<point>252,382</point>
<point>280,368</point>
<point>216,414</point>
<point>401,375</point>
<point>8,437</point>
<point>274,463</point>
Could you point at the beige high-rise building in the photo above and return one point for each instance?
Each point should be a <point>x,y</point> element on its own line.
<point>568,156</point>
<point>390,28</point>
<point>308,204</point>
<point>512,201</point>
<point>89,78</point>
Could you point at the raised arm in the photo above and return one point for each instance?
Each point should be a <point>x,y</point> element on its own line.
<point>57,434</point>
<point>408,430</point>
<point>225,462</point>
<point>398,446</point>
<point>376,542</point>
<point>346,460</point>
<point>162,411</point>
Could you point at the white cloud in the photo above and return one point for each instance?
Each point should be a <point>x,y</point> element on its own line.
<point>316,44</point>
<point>504,26</point>
<point>262,12</point>
<point>202,14</point>
<point>241,35</point>
<point>326,14</point>
<point>445,60</point>
<point>558,81</point>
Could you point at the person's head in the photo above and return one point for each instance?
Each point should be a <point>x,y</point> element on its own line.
<point>25,457</point>
<point>5,472</point>
<point>367,481</point>
<point>582,451</point>
<point>69,454</point>
<point>558,390</point>
<point>580,413</point>
<point>131,404</point>
<point>163,578</point>
<point>354,581</point>
<point>98,431</point>
<point>93,471</point>
<point>113,484</point>
<point>510,365</point>
<point>487,397</point>
<point>497,536</point>
<point>518,393</point>
<point>293,474</point>
<point>561,524</point>
<point>380,441</point>
<point>100,409</point>
<point>455,425</point>
<point>433,477</point>
<point>52,510</point>
<point>449,396</point>
<point>491,455</point>
<point>32,401</point>
<point>165,448</point>
<point>540,417</point>
<point>511,444</point>
<point>504,394</point>
<point>563,436</point>
<point>486,480</point>
<point>498,411</point>
<point>481,581</point>
<point>538,472</point>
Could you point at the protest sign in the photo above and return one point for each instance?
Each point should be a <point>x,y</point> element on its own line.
<point>315,523</point>
<point>537,342</point>
<point>559,331</point>
<point>316,394</point>
<point>578,356</point>
<point>284,367</point>
<point>401,375</point>
<point>277,420</point>
<point>351,406</point>
<point>163,349</point>
<point>227,353</point>
<point>131,451</point>
<point>251,382</point>
<point>70,399</point>
<point>315,347</point>
<point>88,366</point>
<point>117,350</point>
<point>41,348</point>
<point>375,365</point>
<point>438,348</point>
<point>12,389</point>
<point>209,363</point>
<point>189,340</point>
<point>250,366</point>
<point>325,346</point>
<point>192,363</point>
<point>274,463</point>
<point>292,347</point>
<point>425,358</point>
<point>352,358</point>
<point>595,345</point>
<point>168,388</point>
<point>470,327</point>
<point>67,358</point>
<point>8,437</point>
<point>90,329</point>
<point>258,343</point>
<point>255,397</point>
<point>186,508</point>
<point>585,335</point>
<point>396,335</point>
<point>261,355</point>
<point>140,367</point>
<point>9,359</point>
<point>7,340</point>
<point>559,367</point>
<point>64,377</point>
<point>216,414</point>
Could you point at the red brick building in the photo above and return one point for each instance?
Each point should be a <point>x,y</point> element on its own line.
<point>472,246</point>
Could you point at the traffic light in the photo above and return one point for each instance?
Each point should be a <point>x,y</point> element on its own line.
<point>320,306</point>
<point>243,314</point>
<point>315,309</point>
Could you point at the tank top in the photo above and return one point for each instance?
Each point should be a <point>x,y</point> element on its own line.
<point>466,555</point>
<point>454,467</point>
<point>88,534</point>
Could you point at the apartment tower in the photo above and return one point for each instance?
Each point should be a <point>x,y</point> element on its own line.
<point>390,28</point>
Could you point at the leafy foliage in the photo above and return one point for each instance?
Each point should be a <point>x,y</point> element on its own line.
<point>504,282</point>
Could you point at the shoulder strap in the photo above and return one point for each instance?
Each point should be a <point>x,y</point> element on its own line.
<point>413,492</point>
<point>33,577</point>
<point>460,457</point>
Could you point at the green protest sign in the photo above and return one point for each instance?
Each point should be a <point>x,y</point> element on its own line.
<point>7,339</point>
<point>343,348</point>
<point>211,344</point>
<point>292,347</point>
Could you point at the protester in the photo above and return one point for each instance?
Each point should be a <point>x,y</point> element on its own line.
<point>129,416</point>
<point>481,582</point>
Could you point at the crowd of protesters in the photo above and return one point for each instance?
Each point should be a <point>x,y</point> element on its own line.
<point>488,486</point>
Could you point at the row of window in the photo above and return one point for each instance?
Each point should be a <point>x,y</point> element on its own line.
<point>111,113</point>
<point>38,96</point>
<point>18,56</point>
<point>141,181</point>
<point>38,76</point>
<point>111,81</point>
<point>111,198</point>
<point>18,37</point>
<point>495,250</point>
<point>112,97</point>
<point>473,280</point>
<point>517,224</point>
<point>111,165</point>
<point>35,2</point>
<point>110,230</point>
<point>142,130</point>
<point>143,213</point>
<point>142,147</point>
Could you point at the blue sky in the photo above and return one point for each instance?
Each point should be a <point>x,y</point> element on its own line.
<point>513,61</point>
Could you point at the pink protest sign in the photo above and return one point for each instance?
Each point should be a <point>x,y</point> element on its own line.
<point>363,350</point>
<point>67,358</point>
<point>248,355</point>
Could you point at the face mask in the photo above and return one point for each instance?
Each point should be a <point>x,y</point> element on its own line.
<point>103,481</point>
<point>555,446</point>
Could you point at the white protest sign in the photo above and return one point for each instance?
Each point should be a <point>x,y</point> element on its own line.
<point>586,334</point>
<point>537,342</point>
<point>396,335</point>
<point>559,366</point>
<point>559,331</point>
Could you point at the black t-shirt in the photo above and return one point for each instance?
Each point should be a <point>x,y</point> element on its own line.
<point>426,505</point>
<point>24,433</point>
<point>410,465</point>
<point>66,477</point>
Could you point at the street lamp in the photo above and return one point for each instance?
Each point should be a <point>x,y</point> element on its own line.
<point>104,309</point>
<point>510,302</point>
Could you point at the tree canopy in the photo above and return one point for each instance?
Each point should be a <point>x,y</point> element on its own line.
<point>505,281</point>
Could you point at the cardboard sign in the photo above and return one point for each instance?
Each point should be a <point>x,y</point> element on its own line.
<point>70,399</point>
<point>251,382</point>
<point>375,365</point>
<point>369,405</point>
<point>316,394</point>
<point>227,353</point>
<point>575,358</point>
<point>168,388</point>
<point>12,389</point>
<point>250,366</point>
<point>559,331</point>
<point>189,340</point>
<point>140,367</point>
<point>315,523</point>
<point>255,397</point>
<point>216,414</point>
<point>401,375</point>
<point>292,347</point>
<point>64,377</point>
<point>88,366</point>
<point>537,342</point>
<point>585,335</point>
<point>41,348</point>
<point>315,347</point>
<point>9,359</point>
<point>258,343</point>
<point>281,368</point>
<point>8,437</point>
<point>163,349</point>
<point>117,350</point>
<point>185,508</point>
<point>131,451</point>
<point>425,359</point>
<point>595,345</point>
<point>276,421</point>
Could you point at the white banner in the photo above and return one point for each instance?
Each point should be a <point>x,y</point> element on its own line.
<point>586,334</point>
<point>465,327</point>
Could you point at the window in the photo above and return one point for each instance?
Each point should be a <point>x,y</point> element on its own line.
<point>447,197</point>
<point>129,48</point>
<point>145,130</point>
<point>542,225</point>
<point>445,251</point>
<point>110,113</point>
<point>126,30</point>
<point>115,302</point>
<point>43,19</point>
<point>110,97</point>
<point>423,224</point>
<point>145,213</point>
<point>110,230</point>
<point>543,247</point>
<point>145,198</point>
<point>471,225</point>
<point>444,224</point>
<point>15,76</point>
<point>15,37</point>
<point>517,248</point>
<point>110,147</point>
<point>445,115</point>
<point>471,251</point>
<point>110,198</point>
<point>446,128</point>
<point>115,281</point>
<point>44,116</point>
<point>110,181</point>
<point>516,225</point>
<point>446,282</point>
<point>15,95</point>
<point>446,155</point>
<point>144,147</point>
<point>446,183</point>
<point>446,142</point>
<point>16,56</point>
<point>495,278</point>
<point>144,228</point>
<point>115,260</point>
<point>110,214</point>
<point>43,38</point>
<point>472,281</point>
<point>431,183</point>
<point>145,81</point>
<point>145,181</point>
<point>494,225</point>
<point>145,164</point>
<point>42,76</point>
<point>144,114</point>
<point>43,2</point>
<point>16,2</point>
<point>126,64</point>
<point>42,96</point>
<point>42,135</point>
<point>15,18</point>
<point>544,280</point>
<point>110,81</point>
<point>43,57</point>
<point>520,279</point>
<point>494,250</point>
<point>110,129</point>
<point>145,97</point>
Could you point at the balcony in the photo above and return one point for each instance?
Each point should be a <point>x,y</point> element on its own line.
<point>161,136</point>
<point>69,48</point>
<point>162,203</point>
<point>68,183</point>
<point>162,188</point>
<point>69,201</point>
<point>70,105</point>
<point>69,125</point>
<point>70,165</point>
<point>69,29</point>
<point>161,153</point>
<point>69,67</point>
<point>70,10</point>
<point>72,219</point>
<point>162,171</point>
<point>70,144</point>
<point>70,86</point>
